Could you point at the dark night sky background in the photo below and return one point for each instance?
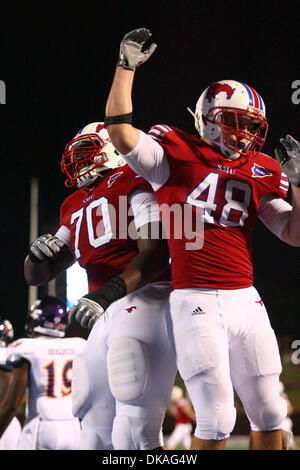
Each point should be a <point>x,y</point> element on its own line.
<point>58,59</point>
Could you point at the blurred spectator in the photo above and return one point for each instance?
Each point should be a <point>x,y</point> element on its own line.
<point>184,415</point>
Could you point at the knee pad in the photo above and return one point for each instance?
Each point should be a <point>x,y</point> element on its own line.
<point>226,420</point>
<point>273,414</point>
<point>80,387</point>
<point>128,368</point>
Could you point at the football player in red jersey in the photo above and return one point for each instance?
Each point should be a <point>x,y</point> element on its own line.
<point>104,226</point>
<point>184,416</point>
<point>221,329</point>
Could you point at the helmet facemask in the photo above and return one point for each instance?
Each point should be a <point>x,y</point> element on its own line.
<point>82,156</point>
<point>239,132</point>
<point>88,155</point>
<point>231,116</point>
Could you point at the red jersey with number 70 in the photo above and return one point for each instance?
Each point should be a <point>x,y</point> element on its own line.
<point>101,226</point>
<point>226,195</point>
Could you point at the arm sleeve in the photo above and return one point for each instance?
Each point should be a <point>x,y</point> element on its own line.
<point>148,160</point>
<point>144,207</point>
<point>63,233</point>
<point>275,214</point>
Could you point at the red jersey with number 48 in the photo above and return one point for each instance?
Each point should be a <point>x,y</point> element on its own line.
<point>101,226</point>
<point>226,195</point>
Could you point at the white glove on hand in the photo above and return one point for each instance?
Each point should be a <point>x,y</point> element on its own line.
<point>131,55</point>
<point>45,246</point>
<point>290,161</point>
<point>86,312</point>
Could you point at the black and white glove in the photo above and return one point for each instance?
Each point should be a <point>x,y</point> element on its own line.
<point>45,246</point>
<point>131,55</point>
<point>289,160</point>
<point>86,312</point>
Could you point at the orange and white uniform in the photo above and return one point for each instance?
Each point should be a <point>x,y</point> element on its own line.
<point>49,424</point>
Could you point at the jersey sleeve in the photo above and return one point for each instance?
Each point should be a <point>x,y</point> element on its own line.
<point>64,214</point>
<point>283,185</point>
<point>148,160</point>
<point>275,214</point>
<point>278,183</point>
<point>64,234</point>
<point>144,207</point>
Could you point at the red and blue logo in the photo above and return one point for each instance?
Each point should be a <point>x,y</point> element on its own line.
<point>217,88</point>
<point>113,178</point>
<point>259,171</point>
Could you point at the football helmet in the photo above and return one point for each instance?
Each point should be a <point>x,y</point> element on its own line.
<point>232,115</point>
<point>47,316</point>
<point>6,332</point>
<point>88,154</point>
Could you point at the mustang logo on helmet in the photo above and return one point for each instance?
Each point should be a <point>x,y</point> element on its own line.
<point>217,88</point>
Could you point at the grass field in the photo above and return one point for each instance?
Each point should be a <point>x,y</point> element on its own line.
<point>241,443</point>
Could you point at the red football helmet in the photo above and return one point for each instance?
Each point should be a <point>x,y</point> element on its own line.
<point>88,155</point>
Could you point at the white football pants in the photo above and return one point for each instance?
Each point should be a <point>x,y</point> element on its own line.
<point>224,339</point>
<point>127,371</point>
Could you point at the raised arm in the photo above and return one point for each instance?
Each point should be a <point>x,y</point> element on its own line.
<point>289,161</point>
<point>119,104</point>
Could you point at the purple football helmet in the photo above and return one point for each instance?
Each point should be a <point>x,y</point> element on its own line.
<point>6,332</point>
<point>48,316</point>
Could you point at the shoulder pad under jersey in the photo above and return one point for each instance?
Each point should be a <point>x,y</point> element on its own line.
<point>158,131</point>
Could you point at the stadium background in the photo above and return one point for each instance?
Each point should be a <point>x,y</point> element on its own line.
<point>58,63</point>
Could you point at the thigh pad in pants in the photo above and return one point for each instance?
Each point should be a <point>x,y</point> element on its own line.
<point>197,350</point>
<point>128,368</point>
<point>262,354</point>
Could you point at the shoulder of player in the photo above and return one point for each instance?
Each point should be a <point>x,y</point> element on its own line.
<point>163,133</point>
<point>74,339</point>
<point>19,351</point>
<point>75,342</point>
<point>20,343</point>
<point>134,181</point>
<point>159,131</point>
<point>267,161</point>
<point>79,193</point>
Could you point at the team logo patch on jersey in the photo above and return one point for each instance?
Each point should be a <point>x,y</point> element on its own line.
<point>259,171</point>
<point>113,178</point>
<point>130,309</point>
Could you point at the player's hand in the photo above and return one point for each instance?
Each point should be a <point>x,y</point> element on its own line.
<point>86,312</point>
<point>45,246</point>
<point>289,159</point>
<point>131,55</point>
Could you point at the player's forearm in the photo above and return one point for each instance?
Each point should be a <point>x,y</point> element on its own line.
<point>291,233</point>
<point>123,136</point>
<point>144,268</point>
<point>37,274</point>
<point>119,99</point>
